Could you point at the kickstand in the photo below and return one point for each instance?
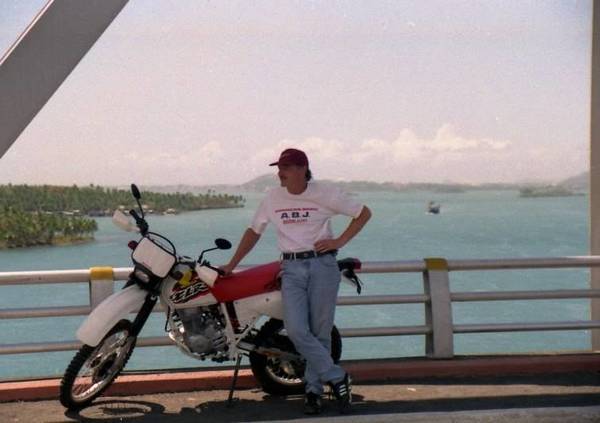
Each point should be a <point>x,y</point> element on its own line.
<point>235,376</point>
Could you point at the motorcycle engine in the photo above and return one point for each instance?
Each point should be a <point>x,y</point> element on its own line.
<point>204,332</point>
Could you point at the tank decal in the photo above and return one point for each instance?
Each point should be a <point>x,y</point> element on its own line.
<point>187,293</point>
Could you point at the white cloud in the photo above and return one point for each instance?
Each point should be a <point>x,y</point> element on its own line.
<point>446,140</point>
<point>409,147</point>
<point>446,155</point>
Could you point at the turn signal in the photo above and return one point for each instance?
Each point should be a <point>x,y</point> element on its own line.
<point>132,245</point>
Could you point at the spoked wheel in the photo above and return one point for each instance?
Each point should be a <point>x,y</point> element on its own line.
<point>283,375</point>
<point>93,369</point>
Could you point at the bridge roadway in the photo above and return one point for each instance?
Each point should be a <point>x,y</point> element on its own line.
<point>563,389</point>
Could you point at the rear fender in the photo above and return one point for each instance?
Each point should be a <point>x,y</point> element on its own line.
<point>109,312</point>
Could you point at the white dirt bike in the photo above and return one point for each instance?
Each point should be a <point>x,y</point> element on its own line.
<point>207,317</point>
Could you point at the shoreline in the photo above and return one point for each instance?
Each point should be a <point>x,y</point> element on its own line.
<point>55,243</point>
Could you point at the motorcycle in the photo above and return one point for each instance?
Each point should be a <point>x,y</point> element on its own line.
<point>208,316</point>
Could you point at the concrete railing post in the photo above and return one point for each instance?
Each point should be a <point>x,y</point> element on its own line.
<point>102,284</point>
<point>438,312</point>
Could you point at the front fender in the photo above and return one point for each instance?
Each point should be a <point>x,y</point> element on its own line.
<point>109,312</point>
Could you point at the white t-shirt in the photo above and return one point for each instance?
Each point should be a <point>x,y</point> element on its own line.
<point>303,219</point>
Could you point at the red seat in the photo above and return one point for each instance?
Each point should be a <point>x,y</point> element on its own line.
<point>247,283</point>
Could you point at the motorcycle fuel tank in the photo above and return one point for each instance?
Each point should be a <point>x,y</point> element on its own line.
<point>247,283</point>
<point>188,291</point>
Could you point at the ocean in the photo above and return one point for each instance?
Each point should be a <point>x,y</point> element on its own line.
<point>475,224</point>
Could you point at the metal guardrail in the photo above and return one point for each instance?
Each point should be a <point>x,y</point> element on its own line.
<point>437,298</point>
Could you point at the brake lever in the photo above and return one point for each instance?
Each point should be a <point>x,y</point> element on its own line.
<point>216,269</point>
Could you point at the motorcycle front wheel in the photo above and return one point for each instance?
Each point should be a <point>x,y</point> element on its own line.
<point>283,376</point>
<point>93,369</point>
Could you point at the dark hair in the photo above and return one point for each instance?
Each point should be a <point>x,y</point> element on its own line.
<point>308,175</point>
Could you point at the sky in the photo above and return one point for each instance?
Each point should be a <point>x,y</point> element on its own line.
<point>205,92</point>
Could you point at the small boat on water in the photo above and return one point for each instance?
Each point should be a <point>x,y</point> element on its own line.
<point>433,208</point>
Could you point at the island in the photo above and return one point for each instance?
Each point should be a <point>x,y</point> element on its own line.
<point>546,191</point>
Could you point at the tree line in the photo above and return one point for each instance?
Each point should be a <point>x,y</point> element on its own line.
<point>47,214</point>
<point>89,199</point>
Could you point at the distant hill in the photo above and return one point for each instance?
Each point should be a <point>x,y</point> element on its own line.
<point>265,182</point>
<point>579,183</point>
<point>547,191</point>
<point>575,185</point>
<point>262,183</point>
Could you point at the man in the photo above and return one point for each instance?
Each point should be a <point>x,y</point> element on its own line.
<point>301,213</point>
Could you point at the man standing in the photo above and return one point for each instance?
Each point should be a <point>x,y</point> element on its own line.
<point>301,212</point>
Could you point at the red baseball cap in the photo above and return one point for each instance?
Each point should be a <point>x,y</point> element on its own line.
<point>291,156</point>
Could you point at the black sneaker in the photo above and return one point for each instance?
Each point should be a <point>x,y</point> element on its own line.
<point>312,403</point>
<point>342,391</point>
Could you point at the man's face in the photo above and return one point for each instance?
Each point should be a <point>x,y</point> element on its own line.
<point>291,174</point>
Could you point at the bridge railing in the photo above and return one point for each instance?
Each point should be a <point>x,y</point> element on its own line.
<point>437,299</point>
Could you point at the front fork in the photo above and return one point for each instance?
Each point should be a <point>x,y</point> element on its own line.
<point>143,314</point>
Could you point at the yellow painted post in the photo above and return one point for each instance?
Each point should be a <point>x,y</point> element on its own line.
<point>102,284</point>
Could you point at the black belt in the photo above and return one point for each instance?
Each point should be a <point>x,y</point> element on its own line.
<point>301,255</point>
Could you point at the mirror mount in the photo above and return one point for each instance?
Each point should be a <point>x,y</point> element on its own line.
<point>221,244</point>
<point>136,194</point>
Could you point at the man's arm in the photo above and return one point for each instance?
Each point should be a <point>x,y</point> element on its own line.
<point>353,228</point>
<point>248,241</point>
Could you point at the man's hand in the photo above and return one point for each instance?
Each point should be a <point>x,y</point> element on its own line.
<point>248,241</point>
<point>227,269</point>
<point>353,228</point>
<point>325,245</point>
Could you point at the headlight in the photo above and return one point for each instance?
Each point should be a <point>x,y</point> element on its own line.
<point>141,276</point>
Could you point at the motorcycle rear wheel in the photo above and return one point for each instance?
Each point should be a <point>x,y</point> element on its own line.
<point>93,369</point>
<point>278,376</point>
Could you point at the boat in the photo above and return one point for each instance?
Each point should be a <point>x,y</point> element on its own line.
<point>433,208</point>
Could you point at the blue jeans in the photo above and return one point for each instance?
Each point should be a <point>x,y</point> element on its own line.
<point>309,291</point>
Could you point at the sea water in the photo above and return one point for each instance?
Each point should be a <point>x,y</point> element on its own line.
<point>471,225</point>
